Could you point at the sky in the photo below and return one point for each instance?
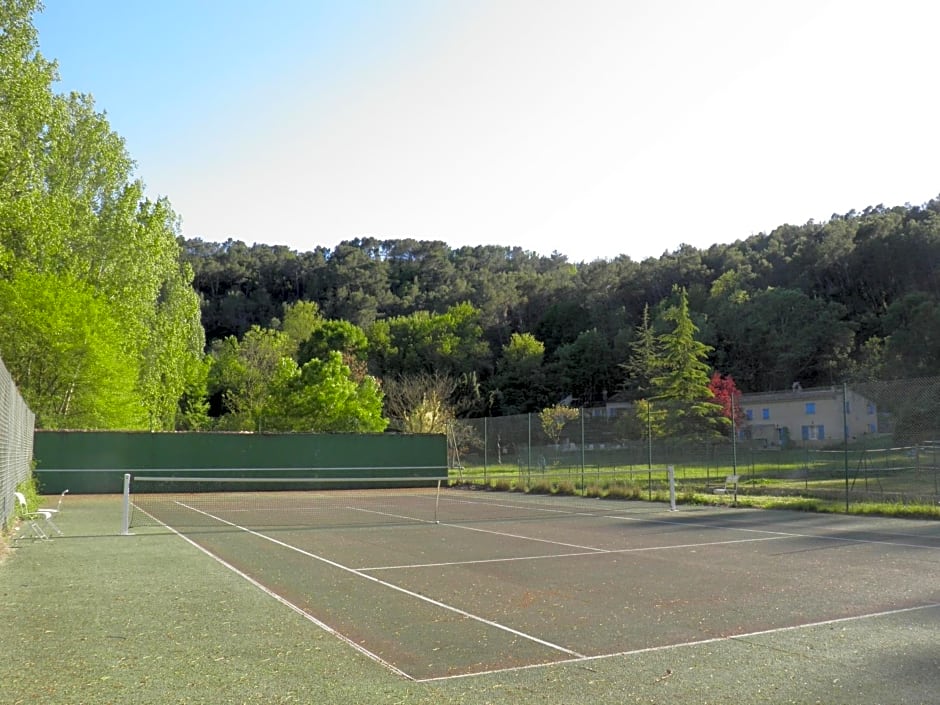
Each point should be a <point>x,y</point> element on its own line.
<point>590,128</point>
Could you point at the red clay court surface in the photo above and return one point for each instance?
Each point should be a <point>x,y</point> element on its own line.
<point>541,579</point>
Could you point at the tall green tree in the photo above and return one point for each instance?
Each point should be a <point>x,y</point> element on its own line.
<point>71,214</point>
<point>586,366</point>
<point>299,321</point>
<point>335,336</point>
<point>243,375</point>
<point>451,342</point>
<point>322,396</point>
<point>26,111</point>
<point>519,382</point>
<point>683,381</point>
<point>913,323</point>
<point>644,362</point>
<point>67,348</point>
<point>172,380</point>
<point>780,336</point>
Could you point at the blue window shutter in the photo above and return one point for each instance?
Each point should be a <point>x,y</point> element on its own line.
<point>806,433</point>
<point>821,432</point>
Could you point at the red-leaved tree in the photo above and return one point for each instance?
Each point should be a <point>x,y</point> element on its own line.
<point>725,390</point>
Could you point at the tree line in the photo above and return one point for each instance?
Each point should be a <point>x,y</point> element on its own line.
<point>111,319</point>
<point>854,298</point>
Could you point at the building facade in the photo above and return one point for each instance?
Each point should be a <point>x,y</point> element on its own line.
<point>810,417</point>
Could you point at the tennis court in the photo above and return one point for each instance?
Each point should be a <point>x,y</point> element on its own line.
<point>453,583</point>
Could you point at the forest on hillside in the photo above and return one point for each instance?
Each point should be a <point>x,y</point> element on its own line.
<point>854,298</point>
<point>112,320</point>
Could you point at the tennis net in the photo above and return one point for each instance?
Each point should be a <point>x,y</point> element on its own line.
<point>212,502</point>
<point>209,501</point>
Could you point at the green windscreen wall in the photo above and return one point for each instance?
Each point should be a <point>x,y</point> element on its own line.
<point>96,461</point>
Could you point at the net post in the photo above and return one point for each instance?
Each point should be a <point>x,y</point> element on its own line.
<point>126,506</point>
<point>437,502</point>
<point>671,473</point>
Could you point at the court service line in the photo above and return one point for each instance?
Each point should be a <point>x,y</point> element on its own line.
<point>532,507</point>
<point>693,523</point>
<point>484,531</point>
<point>700,642</point>
<point>593,552</point>
<point>768,535</point>
<point>287,603</point>
<point>391,586</point>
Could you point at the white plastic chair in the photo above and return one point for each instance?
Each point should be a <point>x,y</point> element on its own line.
<point>54,511</point>
<point>31,519</point>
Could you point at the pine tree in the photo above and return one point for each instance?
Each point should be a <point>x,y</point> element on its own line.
<point>644,361</point>
<point>683,381</point>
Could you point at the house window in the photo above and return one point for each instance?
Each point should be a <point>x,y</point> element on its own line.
<point>872,429</point>
<point>871,409</point>
<point>765,414</point>
<point>810,407</point>
<point>813,433</point>
<point>749,414</point>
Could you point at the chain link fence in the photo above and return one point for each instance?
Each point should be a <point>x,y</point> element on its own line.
<point>869,442</point>
<point>16,443</point>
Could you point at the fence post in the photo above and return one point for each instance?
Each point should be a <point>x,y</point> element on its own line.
<point>484,450</point>
<point>583,487</point>
<point>734,442</point>
<point>671,473</point>
<point>528,462</point>
<point>845,442</point>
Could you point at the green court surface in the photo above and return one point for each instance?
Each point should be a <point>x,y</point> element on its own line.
<point>509,598</point>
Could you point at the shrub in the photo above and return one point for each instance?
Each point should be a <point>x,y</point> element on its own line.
<point>540,487</point>
<point>592,490</point>
<point>501,485</point>
<point>622,490</point>
<point>566,488</point>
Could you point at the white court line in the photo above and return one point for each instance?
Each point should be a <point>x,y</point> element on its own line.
<point>392,586</point>
<point>519,536</point>
<point>522,505</point>
<point>592,552</point>
<point>700,642</point>
<point>287,603</point>
<point>694,524</point>
<point>413,520</point>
